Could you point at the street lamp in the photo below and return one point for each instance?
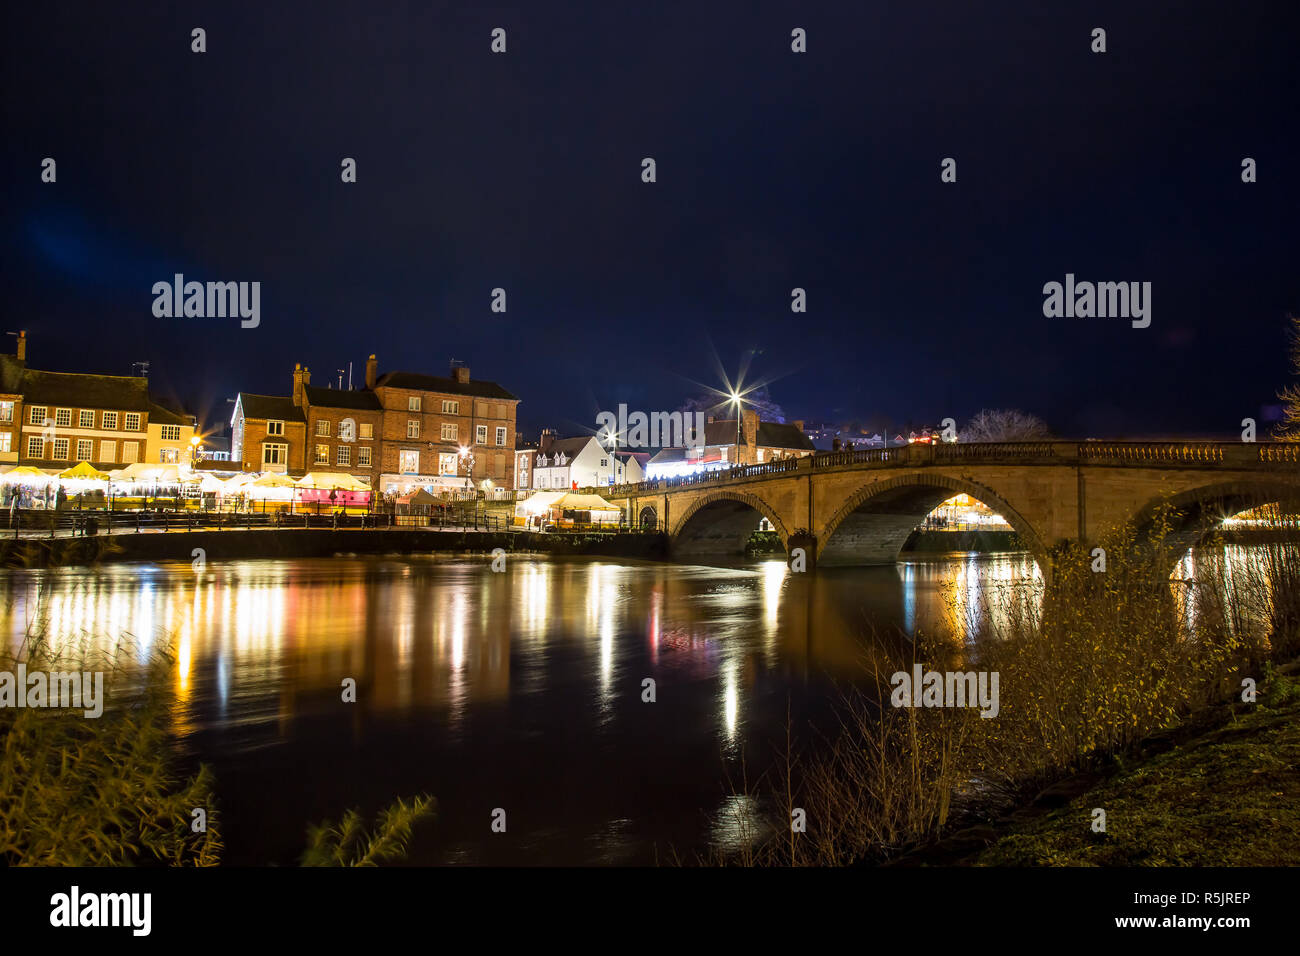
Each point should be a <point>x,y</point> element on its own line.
<point>735,400</point>
<point>194,450</point>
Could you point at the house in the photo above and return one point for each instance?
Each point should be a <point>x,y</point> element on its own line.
<point>631,467</point>
<point>436,428</point>
<point>169,437</point>
<point>567,463</point>
<point>344,427</point>
<point>268,433</point>
<point>760,442</point>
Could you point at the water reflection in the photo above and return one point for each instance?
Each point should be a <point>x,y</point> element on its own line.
<point>520,688</point>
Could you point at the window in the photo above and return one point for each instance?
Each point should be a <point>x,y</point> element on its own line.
<point>322,428</point>
<point>108,451</point>
<point>363,457</point>
<point>168,456</point>
<point>604,463</point>
<point>275,428</point>
<point>86,418</point>
<point>274,454</point>
<point>110,420</point>
<point>35,448</point>
<point>85,449</point>
<point>480,434</point>
<point>413,403</point>
<point>6,411</point>
<point>501,435</point>
<point>408,462</point>
<point>130,452</point>
<point>6,441</point>
<point>446,464</point>
<point>36,415</point>
<point>451,408</point>
<point>322,454</point>
<point>344,455</point>
<point>367,432</point>
<point>347,430</point>
<point>61,449</point>
<point>448,432</point>
<point>413,428</point>
<point>63,417</point>
<point>171,433</point>
<point>131,422</point>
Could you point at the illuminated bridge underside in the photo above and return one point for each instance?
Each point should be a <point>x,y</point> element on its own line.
<point>859,507</point>
<point>875,532</point>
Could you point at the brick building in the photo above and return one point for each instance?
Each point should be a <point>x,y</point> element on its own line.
<point>401,430</point>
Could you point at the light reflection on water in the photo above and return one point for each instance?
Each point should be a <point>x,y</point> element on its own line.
<point>520,689</point>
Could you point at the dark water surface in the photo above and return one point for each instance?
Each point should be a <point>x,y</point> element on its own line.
<point>519,690</point>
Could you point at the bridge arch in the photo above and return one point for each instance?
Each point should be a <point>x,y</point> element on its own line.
<point>721,522</point>
<point>1191,515</point>
<point>876,520</point>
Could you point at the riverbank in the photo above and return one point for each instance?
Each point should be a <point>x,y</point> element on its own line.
<point>1218,790</point>
<point>314,543</point>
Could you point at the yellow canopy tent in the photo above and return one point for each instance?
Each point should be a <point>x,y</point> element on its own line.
<point>85,471</point>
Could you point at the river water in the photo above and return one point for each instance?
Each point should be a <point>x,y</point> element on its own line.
<point>520,690</point>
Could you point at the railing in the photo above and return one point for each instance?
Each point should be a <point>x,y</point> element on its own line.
<point>1244,454</point>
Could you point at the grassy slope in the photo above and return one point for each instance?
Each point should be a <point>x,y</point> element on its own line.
<point>1230,797</point>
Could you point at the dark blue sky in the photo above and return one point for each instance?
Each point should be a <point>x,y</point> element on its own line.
<point>775,170</point>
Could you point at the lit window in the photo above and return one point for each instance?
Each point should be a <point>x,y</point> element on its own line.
<point>6,411</point>
<point>168,456</point>
<point>408,462</point>
<point>6,441</point>
<point>322,454</point>
<point>367,432</point>
<point>363,457</point>
<point>347,430</point>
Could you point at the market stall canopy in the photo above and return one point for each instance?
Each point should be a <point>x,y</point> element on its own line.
<point>330,481</point>
<point>24,473</point>
<point>149,474</point>
<point>543,501</point>
<point>272,480</point>
<point>238,481</point>
<point>212,483</point>
<point>84,470</point>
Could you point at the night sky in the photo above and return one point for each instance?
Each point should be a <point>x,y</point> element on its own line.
<point>775,170</point>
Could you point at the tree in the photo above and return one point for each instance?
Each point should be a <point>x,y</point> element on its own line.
<point>1004,424</point>
<point>1289,429</point>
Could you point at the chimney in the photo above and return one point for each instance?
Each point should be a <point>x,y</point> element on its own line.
<point>545,440</point>
<point>301,378</point>
<point>798,423</point>
<point>22,347</point>
<point>372,366</point>
<point>461,374</point>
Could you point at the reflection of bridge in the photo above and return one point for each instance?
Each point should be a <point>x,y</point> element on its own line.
<point>859,507</point>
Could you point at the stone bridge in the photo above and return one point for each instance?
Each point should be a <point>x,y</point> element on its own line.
<point>859,507</point>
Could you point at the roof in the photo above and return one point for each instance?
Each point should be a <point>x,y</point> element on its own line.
<point>570,447</point>
<point>447,386</point>
<point>81,390</point>
<point>277,407</point>
<point>11,375</point>
<point>361,399</point>
<point>162,415</point>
